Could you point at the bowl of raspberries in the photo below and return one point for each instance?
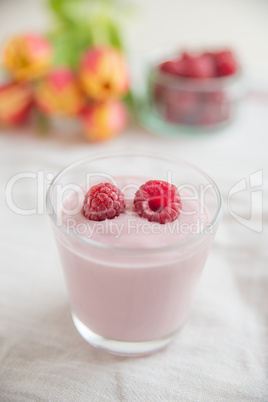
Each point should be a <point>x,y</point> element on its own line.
<point>199,90</point>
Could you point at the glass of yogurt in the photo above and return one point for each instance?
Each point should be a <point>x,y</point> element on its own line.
<point>131,281</point>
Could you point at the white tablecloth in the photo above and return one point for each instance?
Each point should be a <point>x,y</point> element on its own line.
<point>222,352</point>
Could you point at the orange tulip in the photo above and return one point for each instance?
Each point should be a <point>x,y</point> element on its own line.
<point>103,73</point>
<point>105,120</point>
<point>15,103</point>
<point>59,93</point>
<point>27,57</point>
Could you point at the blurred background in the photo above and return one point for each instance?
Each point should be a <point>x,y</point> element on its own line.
<point>241,24</point>
<point>144,31</point>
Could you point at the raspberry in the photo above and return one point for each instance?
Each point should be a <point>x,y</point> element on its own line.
<point>199,66</point>
<point>225,63</point>
<point>158,201</point>
<point>174,67</point>
<point>103,201</point>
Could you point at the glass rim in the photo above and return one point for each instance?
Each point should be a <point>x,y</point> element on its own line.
<point>204,84</point>
<point>195,84</point>
<point>53,216</point>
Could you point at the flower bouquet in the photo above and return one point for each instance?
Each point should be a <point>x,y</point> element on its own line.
<point>75,73</point>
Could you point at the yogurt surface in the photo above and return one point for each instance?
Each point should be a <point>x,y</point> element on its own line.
<point>129,230</point>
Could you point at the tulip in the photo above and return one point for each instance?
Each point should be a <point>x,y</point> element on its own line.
<point>104,120</point>
<point>103,73</point>
<point>59,93</point>
<point>27,57</point>
<point>15,103</point>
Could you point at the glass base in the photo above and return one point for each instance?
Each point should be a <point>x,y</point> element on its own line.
<point>152,122</point>
<point>119,347</point>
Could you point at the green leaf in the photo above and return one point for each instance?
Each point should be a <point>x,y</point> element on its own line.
<point>115,39</point>
<point>58,7</point>
<point>83,23</point>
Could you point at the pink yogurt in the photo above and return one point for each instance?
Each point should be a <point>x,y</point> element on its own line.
<point>128,279</point>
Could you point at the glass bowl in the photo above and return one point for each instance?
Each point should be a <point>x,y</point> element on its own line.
<point>171,103</point>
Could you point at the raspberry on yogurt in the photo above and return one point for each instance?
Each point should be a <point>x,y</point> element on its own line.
<point>158,201</point>
<point>103,201</point>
